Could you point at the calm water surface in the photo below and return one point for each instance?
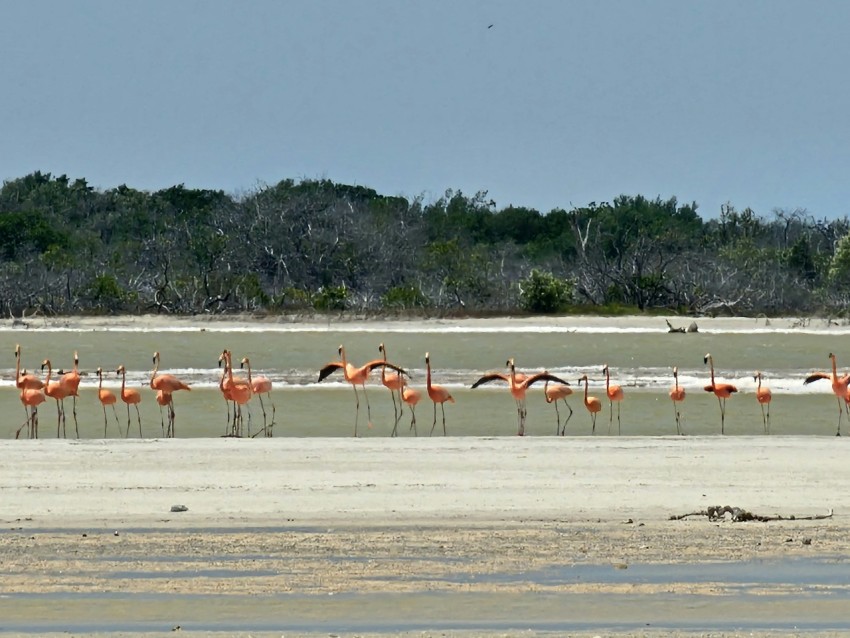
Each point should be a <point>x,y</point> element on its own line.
<point>640,361</point>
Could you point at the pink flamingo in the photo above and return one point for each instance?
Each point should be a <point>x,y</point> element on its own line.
<point>677,395</point>
<point>518,388</point>
<point>554,393</point>
<point>721,390</point>
<point>356,376</point>
<point>437,394</point>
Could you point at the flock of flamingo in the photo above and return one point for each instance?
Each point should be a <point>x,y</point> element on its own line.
<point>238,391</point>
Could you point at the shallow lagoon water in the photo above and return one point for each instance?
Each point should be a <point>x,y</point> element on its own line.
<point>791,595</point>
<point>640,360</point>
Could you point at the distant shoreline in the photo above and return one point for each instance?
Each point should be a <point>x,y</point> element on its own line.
<point>325,322</point>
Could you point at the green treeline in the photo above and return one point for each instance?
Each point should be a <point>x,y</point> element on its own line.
<point>67,248</point>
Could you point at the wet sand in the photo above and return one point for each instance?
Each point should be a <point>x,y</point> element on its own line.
<point>463,536</point>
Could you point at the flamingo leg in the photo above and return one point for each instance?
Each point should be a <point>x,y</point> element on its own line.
<point>570,416</point>
<point>722,403</point>
<point>443,410</point>
<point>357,408</point>
<point>558,416</point>
<point>58,419</point>
<point>610,415</point>
<point>263,408</point>
<point>115,414</point>
<point>434,424</point>
<point>676,414</point>
<point>26,424</point>
<point>396,413</point>
<point>413,421</point>
<point>274,410</point>
<point>840,412</point>
<point>619,425</point>
<point>74,412</point>
<point>227,428</point>
<point>593,419</point>
<point>368,407</point>
<point>139,419</point>
<point>522,414</point>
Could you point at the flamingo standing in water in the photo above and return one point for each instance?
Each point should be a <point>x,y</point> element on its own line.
<point>237,390</point>
<point>30,386</point>
<point>393,382</point>
<point>615,395</point>
<point>226,386</point>
<point>437,394</point>
<point>167,383</point>
<point>721,390</point>
<point>677,395</point>
<point>55,390</point>
<point>71,381</point>
<point>259,386</point>
<point>246,363</point>
<point>592,404</point>
<point>130,397</point>
<point>839,387</point>
<point>240,392</point>
<point>106,397</point>
<point>411,397</point>
<point>518,388</point>
<point>356,376</point>
<point>554,393</point>
<point>163,398</point>
<point>763,396</point>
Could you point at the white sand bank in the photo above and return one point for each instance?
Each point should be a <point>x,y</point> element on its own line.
<point>233,483</point>
<point>353,321</point>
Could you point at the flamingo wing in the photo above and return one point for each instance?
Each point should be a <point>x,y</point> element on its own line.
<point>329,369</point>
<point>377,363</point>
<point>544,376</point>
<point>815,376</point>
<point>493,376</point>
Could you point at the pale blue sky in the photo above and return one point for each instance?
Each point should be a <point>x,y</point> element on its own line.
<point>558,104</point>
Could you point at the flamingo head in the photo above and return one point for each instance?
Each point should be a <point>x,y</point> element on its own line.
<point>427,357</point>
<point>244,362</point>
<point>156,357</point>
<point>605,369</point>
<point>18,351</point>
<point>676,371</point>
<point>76,359</point>
<point>706,358</point>
<point>222,357</point>
<point>121,369</point>
<point>381,348</point>
<point>45,364</point>
<point>99,371</point>
<point>510,363</point>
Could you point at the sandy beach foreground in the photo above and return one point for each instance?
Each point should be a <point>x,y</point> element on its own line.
<point>456,536</point>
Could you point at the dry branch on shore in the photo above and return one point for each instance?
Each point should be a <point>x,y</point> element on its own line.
<point>737,515</point>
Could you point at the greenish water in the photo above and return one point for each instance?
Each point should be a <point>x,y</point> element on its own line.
<point>640,361</point>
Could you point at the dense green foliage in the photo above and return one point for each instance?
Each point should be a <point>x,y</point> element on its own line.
<point>66,248</point>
